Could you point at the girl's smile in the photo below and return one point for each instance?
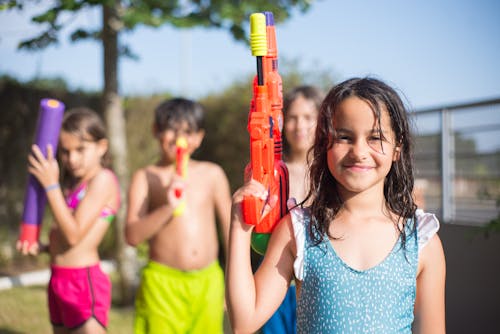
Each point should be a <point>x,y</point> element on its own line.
<point>358,168</point>
<point>362,148</point>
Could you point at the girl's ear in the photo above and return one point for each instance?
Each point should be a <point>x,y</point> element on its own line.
<point>102,146</point>
<point>397,153</point>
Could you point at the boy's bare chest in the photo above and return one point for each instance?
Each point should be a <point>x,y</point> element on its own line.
<point>197,189</point>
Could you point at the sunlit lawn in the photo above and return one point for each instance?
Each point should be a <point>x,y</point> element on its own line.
<point>24,310</point>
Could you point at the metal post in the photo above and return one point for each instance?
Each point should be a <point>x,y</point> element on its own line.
<point>447,166</point>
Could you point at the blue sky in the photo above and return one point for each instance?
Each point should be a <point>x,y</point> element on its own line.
<point>435,52</point>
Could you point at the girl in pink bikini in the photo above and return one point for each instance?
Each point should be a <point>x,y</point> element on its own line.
<point>83,205</point>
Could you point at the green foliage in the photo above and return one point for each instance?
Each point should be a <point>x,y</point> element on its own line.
<point>226,139</point>
<point>492,227</point>
<point>294,74</point>
<point>232,16</point>
<point>41,41</point>
<point>81,34</point>
<point>51,84</point>
<point>10,4</point>
<point>139,113</point>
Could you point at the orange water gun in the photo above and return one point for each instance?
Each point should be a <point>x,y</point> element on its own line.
<point>181,162</point>
<point>264,126</point>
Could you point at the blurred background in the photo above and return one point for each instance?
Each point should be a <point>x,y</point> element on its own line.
<point>442,56</point>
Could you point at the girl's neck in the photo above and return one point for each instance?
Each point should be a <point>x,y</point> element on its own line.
<point>367,203</point>
<point>294,157</point>
<point>87,177</point>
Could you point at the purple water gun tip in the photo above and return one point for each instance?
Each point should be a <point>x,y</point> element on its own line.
<point>269,18</point>
<point>51,104</point>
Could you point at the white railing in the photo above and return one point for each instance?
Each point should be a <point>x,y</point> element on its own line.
<point>457,159</point>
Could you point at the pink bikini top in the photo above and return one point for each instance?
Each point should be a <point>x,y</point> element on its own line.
<point>76,196</point>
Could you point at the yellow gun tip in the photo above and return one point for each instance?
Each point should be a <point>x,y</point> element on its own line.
<point>258,37</point>
<point>181,142</point>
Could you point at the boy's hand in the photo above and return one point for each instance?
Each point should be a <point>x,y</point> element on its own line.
<point>176,187</point>
<point>46,170</point>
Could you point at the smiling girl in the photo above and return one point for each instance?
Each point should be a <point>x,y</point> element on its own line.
<point>363,257</point>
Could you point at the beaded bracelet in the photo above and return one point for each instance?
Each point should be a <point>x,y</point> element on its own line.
<point>51,187</point>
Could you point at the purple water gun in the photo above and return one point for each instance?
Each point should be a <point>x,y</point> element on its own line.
<point>35,200</point>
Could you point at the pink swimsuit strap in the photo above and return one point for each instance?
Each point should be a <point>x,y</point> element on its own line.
<point>75,197</point>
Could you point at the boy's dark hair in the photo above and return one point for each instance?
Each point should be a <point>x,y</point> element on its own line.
<point>178,110</point>
<point>398,185</point>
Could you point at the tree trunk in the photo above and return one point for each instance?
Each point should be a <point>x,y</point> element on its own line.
<point>115,120</point>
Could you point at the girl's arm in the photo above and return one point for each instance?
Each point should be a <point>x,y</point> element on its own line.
<point>430,299</point>
<point>141,223</point>
<point>73,225</point>
<point>101,191</point>
<point>253,299</point>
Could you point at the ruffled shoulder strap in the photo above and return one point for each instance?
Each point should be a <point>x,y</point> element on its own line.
<point>427,226</point>
<point>298,222</point>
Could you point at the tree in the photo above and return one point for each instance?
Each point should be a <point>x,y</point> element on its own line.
<point>125,15</point>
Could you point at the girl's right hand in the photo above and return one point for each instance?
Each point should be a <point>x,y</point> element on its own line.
<point>255,189</point>
<point>46,170</point>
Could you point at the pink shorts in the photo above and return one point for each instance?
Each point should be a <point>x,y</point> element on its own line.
<point>77,294</point>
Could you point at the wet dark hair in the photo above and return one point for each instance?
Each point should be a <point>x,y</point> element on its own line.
<point>398,186</point>
<point>310,93</point>
<point>173,112</point>
<point>87,125</point>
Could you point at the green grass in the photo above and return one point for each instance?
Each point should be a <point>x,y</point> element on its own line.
<point>24,310</point>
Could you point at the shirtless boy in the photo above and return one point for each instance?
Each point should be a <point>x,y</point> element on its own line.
<point>182,285</point>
